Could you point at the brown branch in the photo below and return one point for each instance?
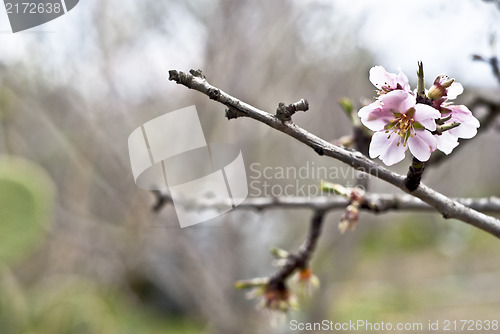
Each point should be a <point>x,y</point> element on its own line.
<point>373,202</point>
<point>300,260</point>
<point>446,206</point>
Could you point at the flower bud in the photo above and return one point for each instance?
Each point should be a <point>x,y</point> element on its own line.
<point>349,219</point>
<point>440,87</point>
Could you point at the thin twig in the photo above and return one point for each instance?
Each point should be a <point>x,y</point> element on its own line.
<point>300,260</point>
<point>446,206</point>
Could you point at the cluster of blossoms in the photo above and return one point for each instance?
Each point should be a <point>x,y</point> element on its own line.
<point>423,122</point>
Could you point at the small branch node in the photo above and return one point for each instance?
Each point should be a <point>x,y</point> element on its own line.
<point>319,150</point>
<point>173,75</point>
<point>284,113</point>
<point>232,113</point>
<point>302,105</point>
<point>197,73</point>
<point>214,94</point>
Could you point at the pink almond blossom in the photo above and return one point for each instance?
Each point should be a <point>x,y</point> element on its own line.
<point>400,123</point>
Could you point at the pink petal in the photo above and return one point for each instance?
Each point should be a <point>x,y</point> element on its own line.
<point>446,142</point>
<point>387,148</point>
<point>379,77</point>
<point>468,123</point>
<point>402,79</point>
<point>398,101</point>
<point>426,115</point>
<point>368,109</point>
<point>374,117</point>
<point>462,114</point>
<point>422,144</point>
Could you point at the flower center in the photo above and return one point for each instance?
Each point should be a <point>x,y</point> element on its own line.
<point>402,125</point>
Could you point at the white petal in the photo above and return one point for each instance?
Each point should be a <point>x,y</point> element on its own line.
<point>468,123</point>
<point>426,115</point>
<point>422,144</point>
<point>387,148</point>
<point>464,130</point>
<point>454,90</point>
<point>446,142</point>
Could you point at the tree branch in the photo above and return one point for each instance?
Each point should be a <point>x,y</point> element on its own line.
<point>446,206</point>
<point>373,202</point>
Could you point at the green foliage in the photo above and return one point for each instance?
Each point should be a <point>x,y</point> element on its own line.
<point>408,234</point>
<point>78,306</point>
<point>382,302</point>
<point>26,201</point>
<point>61,304</point>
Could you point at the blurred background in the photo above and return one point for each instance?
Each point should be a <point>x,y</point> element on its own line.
<point>81,250</point>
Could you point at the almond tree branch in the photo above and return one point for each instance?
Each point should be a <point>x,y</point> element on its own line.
<point>373,202</point>
<point>236,108</point>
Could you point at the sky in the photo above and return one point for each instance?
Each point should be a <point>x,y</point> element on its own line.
<point>444,37</point>
<point>442,33</point>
